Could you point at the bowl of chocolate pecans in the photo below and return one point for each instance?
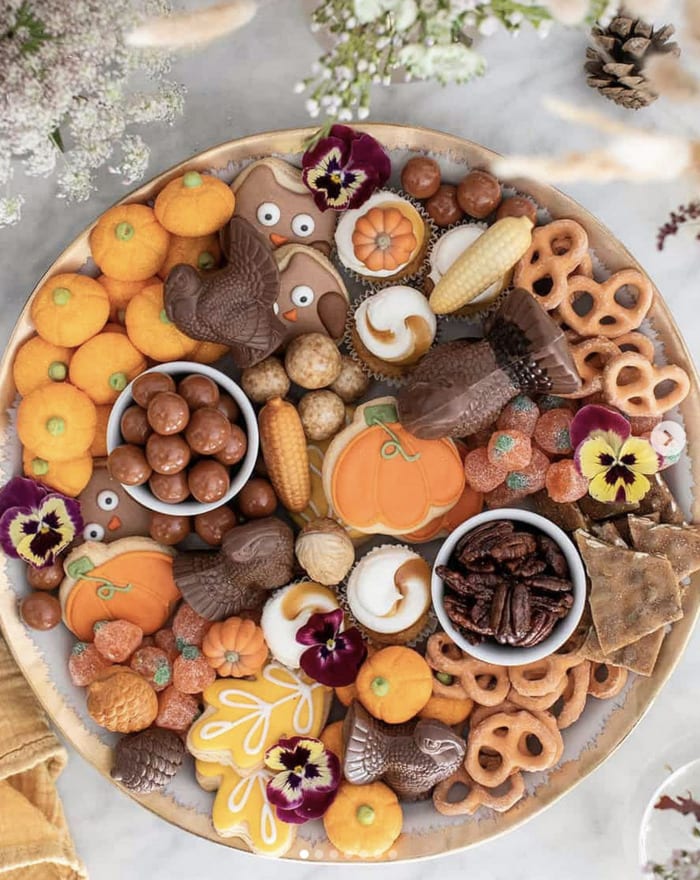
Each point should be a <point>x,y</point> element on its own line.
<point>509,587</point>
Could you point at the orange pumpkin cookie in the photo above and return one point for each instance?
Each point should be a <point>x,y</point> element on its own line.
<point>38,363</point>
<point>363,820</point>
<point>103,366</point>
<point>394,684</point>
<point>194,205</point>
<point>378,478</point>
<point>69,308</point>
<point>152,331</point>
<point>385,238</point>
<point>128,243</point>
<point>241,808</point>
<point>245,717</point>
<point>129,579</point>
<point>235,648</point>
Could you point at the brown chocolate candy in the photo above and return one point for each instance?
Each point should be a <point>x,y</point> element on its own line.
<point>168,413</point>
<point>479,194</point>
<point>128,464</point>
<point>207,431</point>
<point>213,525</point>
<point>420,177</point>
<point>40,611</point>
<point>148,385</point>
<point>198,391</point>
<point>517,206</point>
<point>228,406</point>
<point>134,425</point>
<point>167,455</point>
<point>168,529</point>
<point>47,578</point>
<point>170,488</point>
<point>257,499</point>
<point>208,481</point>
<point>443,207</point>
<point>234,448</point>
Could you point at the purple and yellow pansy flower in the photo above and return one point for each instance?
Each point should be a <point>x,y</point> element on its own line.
<point>343,168</point>
<point>334,655</point>
<point>616,464</point>
<point>36,523</point>
<point>306,778</point>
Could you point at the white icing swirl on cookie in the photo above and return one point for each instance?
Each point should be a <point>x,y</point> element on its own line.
<point>396,325</point>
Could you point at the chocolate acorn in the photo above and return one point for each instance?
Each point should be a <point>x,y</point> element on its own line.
<point>233,306</point>
<point>254,558</point>
<point>410,759</point>
<point>148,760</point>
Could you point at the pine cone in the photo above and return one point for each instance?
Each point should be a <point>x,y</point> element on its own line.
<point>148,760</point>
<point>615,65</point>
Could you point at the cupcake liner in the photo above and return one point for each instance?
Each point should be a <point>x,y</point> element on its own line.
<point>415,278</point>
<point>428,628</point>
<point>395,381</point>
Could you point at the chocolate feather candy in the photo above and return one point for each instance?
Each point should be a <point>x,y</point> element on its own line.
<point>234,306</point>
<point>460,387</point>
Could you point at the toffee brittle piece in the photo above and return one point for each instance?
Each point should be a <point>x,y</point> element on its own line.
<point>639,656</point>
<point>680,544</point>
<point>567,515</point>
<point>632,593</point>
<point>659,499</point>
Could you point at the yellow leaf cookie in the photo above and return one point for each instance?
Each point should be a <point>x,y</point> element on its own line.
<point>241,808</point>
<point>243,718</point>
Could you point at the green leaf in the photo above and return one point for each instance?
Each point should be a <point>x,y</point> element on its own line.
<point>56,138</point>
<point>380,414</point>
<point>79,567</point>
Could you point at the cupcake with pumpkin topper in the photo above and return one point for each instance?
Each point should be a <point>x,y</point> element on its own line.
<point>384,240</point>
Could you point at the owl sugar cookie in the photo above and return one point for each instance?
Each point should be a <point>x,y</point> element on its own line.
<point>109,513</point>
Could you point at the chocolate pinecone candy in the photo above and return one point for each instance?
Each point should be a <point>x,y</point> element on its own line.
<point>147,761</point>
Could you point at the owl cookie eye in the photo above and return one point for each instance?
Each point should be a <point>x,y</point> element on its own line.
<point>302,295</point>
<point>93,532</point>
<point>269,214</point>
<point>303,225</point>
<point>108,500</point>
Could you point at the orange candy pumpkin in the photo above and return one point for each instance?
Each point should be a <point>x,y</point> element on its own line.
<point>38,363</point>
<point>378,478</point>
<point>202,252</point>
<point>363,820</point>
<point>69,308</point>
<point>194,204</point>
<point>129,579</point>
<point>104,365</point>
<point>57,422</point>
<point>98,447</point>
<point>68,477</point>
<point>394,684</point>
<point>121,293</point>
<point>235,647</point>
<point>150,329</point>
<point>208,352</point>
<point>128,243</point>
<point>383,239</point>
<point>449,710</point>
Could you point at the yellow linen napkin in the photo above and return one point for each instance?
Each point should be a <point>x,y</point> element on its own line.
<point>35,843</point>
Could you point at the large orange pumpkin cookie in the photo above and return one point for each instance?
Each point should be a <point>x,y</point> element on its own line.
<point>378,478</point>
<point>129,579</point>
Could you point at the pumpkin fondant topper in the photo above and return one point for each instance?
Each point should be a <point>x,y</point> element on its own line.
<point>378,478</point>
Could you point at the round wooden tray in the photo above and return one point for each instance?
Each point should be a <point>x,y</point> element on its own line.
<point>42,656</point>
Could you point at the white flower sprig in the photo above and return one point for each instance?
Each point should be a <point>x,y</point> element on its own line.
<point>426,38</point>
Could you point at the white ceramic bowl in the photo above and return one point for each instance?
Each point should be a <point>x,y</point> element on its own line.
<point>508,655</point>
<point>180,369</point>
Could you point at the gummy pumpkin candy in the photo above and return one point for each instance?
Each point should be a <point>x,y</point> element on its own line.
<point>378,478</point>
<point>129,579</point>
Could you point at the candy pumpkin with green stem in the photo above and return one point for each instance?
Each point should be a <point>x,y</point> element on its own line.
<point>128,243</point>
<point>38,363</point>
<point>152,332</point>
<point>394,684</point>
<point>121,293</point>
<point>363,820</point>
<point>57,422</point>
<point>194,204</point>
<point>202,252</point>
<point>69,308</point>
<point>68,477</point>
<point>103,366</point>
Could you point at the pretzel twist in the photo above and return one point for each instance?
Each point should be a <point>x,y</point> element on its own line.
<point>542,676</point>
<point>591,357</point>
<point>476,795</point>
<point>636,342</point>
<point>574,695</point>
<point>558,249</point>
<point>606,317</point>
<point>606,681</point>
<point>630,383</point>
<point>485,683</point>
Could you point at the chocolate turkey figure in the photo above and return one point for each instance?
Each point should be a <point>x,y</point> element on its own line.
<point>234,306</point>
<point>271,195</point>
<point>312,295</point>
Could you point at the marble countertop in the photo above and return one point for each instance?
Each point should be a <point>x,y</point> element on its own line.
<point>240,86</point>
